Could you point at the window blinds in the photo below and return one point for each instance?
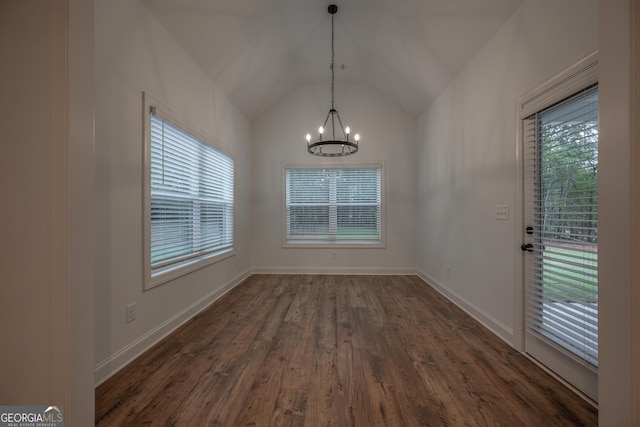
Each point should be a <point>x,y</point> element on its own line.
<point>333,205</point>
<point>561,167</point>
<point>191,197</point>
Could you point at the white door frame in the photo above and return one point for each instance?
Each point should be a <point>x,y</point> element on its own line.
<point>579,76</point>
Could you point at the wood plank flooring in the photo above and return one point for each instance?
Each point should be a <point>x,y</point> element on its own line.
<point>294,350</point>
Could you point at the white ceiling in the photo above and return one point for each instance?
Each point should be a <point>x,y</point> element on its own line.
<point>257,51</point>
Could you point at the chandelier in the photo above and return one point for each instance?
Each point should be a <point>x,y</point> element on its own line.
<point>339,144</point>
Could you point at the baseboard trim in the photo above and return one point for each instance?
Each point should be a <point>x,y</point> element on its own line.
<point>359,271</point>
<point>490,322</point>
<point>110,366</point>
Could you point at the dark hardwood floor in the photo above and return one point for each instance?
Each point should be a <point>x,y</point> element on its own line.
<point>294,350</point>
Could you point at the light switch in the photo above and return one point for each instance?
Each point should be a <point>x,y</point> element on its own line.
<point>502,212</point>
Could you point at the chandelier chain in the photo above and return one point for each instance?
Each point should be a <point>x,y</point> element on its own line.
<point>332,64</point>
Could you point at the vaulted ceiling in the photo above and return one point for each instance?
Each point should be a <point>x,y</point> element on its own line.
<point>257,51</point>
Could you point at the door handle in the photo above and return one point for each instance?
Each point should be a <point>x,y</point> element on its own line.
<point>526,247</point>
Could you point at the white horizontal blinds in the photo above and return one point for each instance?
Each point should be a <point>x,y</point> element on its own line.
<point>340,205</point>
<point>307,192</point>
<point>562,156</point>
<point>191,196</point>
<point>358,204</point>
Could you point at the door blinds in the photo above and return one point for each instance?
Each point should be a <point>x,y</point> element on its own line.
<point>561,169</point>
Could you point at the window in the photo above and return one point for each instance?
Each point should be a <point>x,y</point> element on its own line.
<point>189,200</point>
<point>333,206</point>
<point>563,298</point>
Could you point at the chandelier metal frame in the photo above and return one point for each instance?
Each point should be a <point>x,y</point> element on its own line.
<point>334,146</point>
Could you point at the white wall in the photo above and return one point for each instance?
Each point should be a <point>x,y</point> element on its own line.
<point>33,188</point>
<point>618,216</point>
<point>46,178</point>
<point>81,220</point>
<point>467,158</point>
<point>388,136</point>
<point>133,54</point>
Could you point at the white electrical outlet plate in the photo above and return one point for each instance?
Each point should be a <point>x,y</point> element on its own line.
<point>131,312</point>
<point>502,212</point>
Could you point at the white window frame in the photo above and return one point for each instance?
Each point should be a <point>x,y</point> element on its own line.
<point>158,276</point>
<point>286,243</point>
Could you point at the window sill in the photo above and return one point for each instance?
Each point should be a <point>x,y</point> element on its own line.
<point>323,244</point>
<point>173,272</point>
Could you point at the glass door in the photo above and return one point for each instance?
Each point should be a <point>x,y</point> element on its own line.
<point>561,238</point>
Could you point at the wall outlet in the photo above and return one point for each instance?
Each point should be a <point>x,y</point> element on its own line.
<point>131,312</point>
<point>333,255</point>
<point>447,270</point>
